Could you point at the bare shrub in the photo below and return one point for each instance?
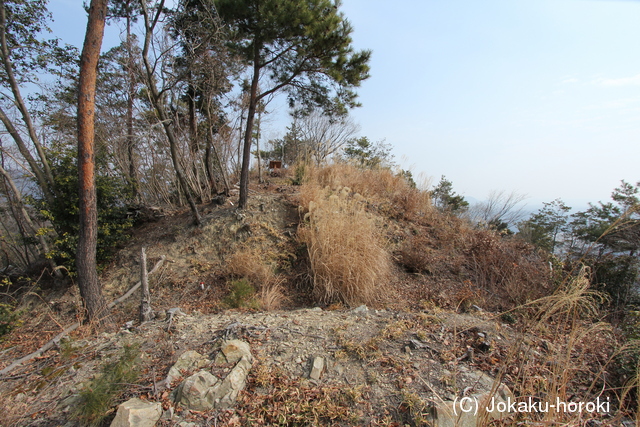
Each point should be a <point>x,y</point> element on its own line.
<point>510,270</point>
<point>435,247</point>
<point>416,256</point>
<point>347,259</point>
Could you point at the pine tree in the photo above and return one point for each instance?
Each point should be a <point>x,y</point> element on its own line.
<point>304,47</point>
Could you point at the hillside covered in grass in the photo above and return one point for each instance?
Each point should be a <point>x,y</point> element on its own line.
<point>405,303</point>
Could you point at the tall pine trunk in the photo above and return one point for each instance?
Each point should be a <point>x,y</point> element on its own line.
<point>90,290</point>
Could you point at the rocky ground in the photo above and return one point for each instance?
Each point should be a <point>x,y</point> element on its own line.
<point>392,365</point>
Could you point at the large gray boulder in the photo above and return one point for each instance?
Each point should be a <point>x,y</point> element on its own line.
<point>137,413</point>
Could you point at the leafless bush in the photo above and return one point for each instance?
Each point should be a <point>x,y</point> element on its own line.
<point>511,271</point>
<point>500,210</point>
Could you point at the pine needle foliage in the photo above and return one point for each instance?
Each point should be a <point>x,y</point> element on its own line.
<point>101,393</point>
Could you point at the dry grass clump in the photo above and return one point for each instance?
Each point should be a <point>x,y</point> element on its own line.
<point>272,295</point>
<point>249,263</point>
<point>390,193</point>
<point>345,250</point>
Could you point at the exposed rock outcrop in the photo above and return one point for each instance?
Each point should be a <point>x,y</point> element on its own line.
<point>203,391</point>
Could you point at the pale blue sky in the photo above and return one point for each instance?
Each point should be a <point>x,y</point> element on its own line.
<point>537,96</point>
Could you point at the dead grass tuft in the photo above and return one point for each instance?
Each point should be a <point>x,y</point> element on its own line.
<point>571,363</point>
<point>345,250</point>
<point>249,263</point>
<point>272,295</point>
<point>391,194</point>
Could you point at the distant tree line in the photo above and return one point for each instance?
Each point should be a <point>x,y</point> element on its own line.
<point>605,237</point>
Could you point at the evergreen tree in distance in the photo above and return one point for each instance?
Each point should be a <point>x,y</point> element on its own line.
<point>303,47</point>
<point>445,199</point>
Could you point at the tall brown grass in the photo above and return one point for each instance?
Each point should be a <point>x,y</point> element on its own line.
<point>564,353</point>
<point>391,194</point>
<point>346,254</point>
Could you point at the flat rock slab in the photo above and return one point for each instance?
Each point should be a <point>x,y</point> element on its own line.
<point>231,351</point>
<point>137,413</point>
<point>188,361</point>
<point>317,368</point>
<point>195,392</point>
<point>474,410</point>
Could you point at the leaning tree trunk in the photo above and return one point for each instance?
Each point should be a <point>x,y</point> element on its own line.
<point>43,174</point>
<point>246,155</point>
<point>90,290</point>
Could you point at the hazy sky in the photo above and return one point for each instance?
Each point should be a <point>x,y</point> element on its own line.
<point>537,96</point>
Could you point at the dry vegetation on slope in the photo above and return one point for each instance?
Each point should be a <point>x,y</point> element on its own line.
<point>347,236</point>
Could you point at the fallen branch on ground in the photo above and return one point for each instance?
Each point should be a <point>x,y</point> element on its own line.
<point>72,328</point>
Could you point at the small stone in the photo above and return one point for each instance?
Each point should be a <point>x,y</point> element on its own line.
<point>318,367</point>
<point>361,310</point>
<point>168,414</point>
